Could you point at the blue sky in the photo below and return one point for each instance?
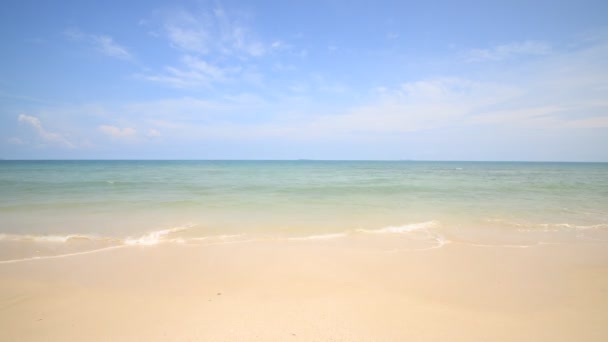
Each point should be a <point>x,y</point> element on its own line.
<point>436,80</point>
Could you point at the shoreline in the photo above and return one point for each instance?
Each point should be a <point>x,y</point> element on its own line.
<point>310,290</point>
<point>15,248</point>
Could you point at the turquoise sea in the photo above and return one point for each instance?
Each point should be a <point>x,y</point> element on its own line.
<point>49,208</point>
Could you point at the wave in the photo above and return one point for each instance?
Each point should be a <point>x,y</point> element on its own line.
<point>413,231</point>
<point>548,227</point>
<point>408,228</point>
<point>56,238</point>
<point>151,238</point>
<point>221,237</point>
<point>156,237</point>
<point>166,235</point>
<point>59,256</point>
<point>426,234</point>
<point>318,237</point>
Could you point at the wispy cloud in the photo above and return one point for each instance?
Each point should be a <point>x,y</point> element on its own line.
<point>557,91</point>
<point>153,133</point>
<point>507,51</point>
<point>215,47</point>
<point>214,31</point>
<point>102,43</point>
<point>444,103</point>
<point>187,33</point>
<point>277,44</point>
<point>107,46</point>
<point>411,106</point>
<point>45,135</point>
<point>237,36</point>
<point>117,132</point>
<point>193,72</point>
<point>192,110</point>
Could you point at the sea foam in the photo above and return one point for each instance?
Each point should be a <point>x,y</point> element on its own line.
<point>55,238</point>
<point>318,237</point>
<point>425,231</point>
<point>407,228</point>
<point>547,227</point>
<point>156,237</point>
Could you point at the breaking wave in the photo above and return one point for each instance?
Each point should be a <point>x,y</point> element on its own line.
<point>547,227</point>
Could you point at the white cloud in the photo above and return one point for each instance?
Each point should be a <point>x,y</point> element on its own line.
<point>562,91</point>
<point>186,33</point>
<point>507,51</point>
<point>236,36</point>
<point>44,134</point>
<point>117,132</point>
<point>439,103</point>
<point>74,34</point>
<point>414,106</point>
<point>200,66</point>
<point>407,108</point>
<point>153,133</point>
<point>277,44</point>
<point>191,110</point>
<point>102,43</point>
<point>190,40</point>
<point>216,46</point>
<point>194,72</point>
<point>212,32</point>
<point>593,122</point>
<point>107,46</point>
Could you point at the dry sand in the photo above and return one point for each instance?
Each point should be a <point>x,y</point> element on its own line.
<point>310,291</point>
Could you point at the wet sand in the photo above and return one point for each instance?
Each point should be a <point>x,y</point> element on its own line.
<point>310,291</point>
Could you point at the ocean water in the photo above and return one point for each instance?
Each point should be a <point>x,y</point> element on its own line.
<point>54,208</point>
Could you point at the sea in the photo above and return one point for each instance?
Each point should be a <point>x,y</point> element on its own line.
<point>53,209</point>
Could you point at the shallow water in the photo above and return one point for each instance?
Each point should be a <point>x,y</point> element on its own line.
<point>93,204</point>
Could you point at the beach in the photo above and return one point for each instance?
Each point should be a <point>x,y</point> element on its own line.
<point>303,250</point>
<point>399,171</point>
<point>328,290</point>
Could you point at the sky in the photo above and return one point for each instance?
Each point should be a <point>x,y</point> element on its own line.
<point>366,80</point>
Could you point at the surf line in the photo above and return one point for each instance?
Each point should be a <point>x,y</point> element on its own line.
<point>14,261</point>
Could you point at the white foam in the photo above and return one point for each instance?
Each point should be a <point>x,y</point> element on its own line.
<point>218,237</point>
<point>547,227</point>
<point>155,237</point>
<point>414,231</point>
<point>12,261</point>
<point>151,238</point>
<point>318,237</point>
<point>553,227</point>
<point>497,245</point>
<point>408,228</point>
<point>52,238</point>
<point>593,226</point>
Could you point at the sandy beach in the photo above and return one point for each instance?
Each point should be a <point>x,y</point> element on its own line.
<point>391,171</point>
<point>340,290</point>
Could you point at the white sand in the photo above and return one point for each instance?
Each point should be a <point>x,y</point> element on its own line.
<point>310,291</point>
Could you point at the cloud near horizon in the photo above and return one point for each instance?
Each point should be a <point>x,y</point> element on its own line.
<point>47,137</point>
<point>221,83</point>
<point>117,132</point>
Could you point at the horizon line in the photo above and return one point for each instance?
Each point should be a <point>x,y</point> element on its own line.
<point>314,160</point>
